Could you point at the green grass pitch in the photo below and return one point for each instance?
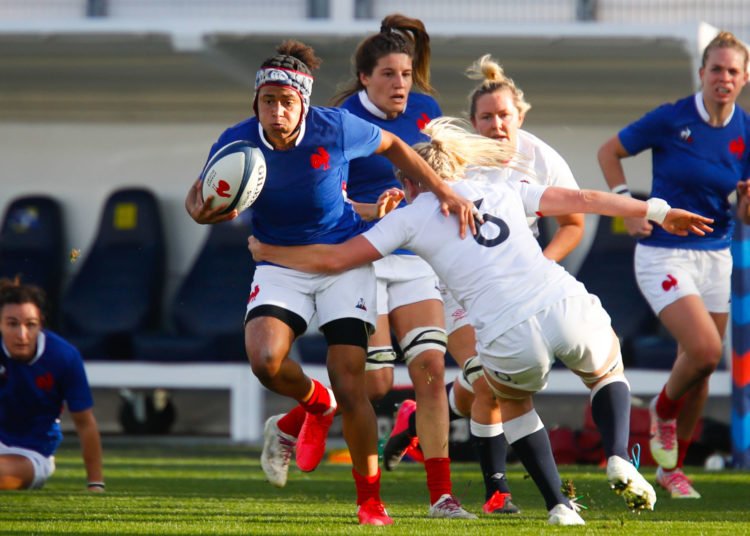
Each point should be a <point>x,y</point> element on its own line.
<point>185,490</point>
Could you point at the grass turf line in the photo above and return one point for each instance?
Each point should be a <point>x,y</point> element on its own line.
<point>221,490</point>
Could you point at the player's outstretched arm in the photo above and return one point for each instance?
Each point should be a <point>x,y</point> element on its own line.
<point>203,211</point>
<point>556,200</point>
<point>91,448</point>
<point>317,258</point>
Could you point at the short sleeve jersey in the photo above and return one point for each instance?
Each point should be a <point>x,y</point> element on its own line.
<point>302,201</point>
<point>32,394</point>
<point>501,276</point>
<point>540,164</point>
<point>696,166</point>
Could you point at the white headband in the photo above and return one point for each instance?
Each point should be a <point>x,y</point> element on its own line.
<point>279,76</point>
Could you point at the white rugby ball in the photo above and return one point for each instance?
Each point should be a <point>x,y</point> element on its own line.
<point>234,176</point>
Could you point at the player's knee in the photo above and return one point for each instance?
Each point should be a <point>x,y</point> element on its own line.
<point>706,356</point>
<point>427,373</point>
<point>378,384</point>
<point>348,394</point>
<point>265,363</point>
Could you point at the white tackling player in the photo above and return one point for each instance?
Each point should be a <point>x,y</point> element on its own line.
<point>497,110</point>
<point>526,309</point>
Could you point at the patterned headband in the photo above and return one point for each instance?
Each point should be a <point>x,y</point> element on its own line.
<point>279,76</point>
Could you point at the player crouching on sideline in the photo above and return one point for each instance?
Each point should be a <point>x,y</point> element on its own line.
<point>39,372</point>
<point>527,310</point>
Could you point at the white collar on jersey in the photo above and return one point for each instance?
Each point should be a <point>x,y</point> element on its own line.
<point>41,343</point>
<point>296,142</point>
<point>704,113</point>
<point>370,107</point>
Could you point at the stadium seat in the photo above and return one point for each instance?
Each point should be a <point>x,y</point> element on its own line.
<point>311,348</point>
<point>607,271</point>
<point>32,244</point>
<point>208,308</point>
<point>118,288</point>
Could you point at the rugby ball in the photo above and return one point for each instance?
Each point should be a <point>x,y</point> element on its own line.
<point>234,176</point>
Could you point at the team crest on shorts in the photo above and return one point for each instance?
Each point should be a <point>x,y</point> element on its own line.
<point>669,283</point>
<point>361,304</point>
<point>253,294</point>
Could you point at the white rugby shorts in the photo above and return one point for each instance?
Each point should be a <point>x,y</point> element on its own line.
<point>403,280</point>
<point>576,330</point>
<point>665,275</point>
<point>350,294</point>
<point>456,316</point>
<point>44,466</point>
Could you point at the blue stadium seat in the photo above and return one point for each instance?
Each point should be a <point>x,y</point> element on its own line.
<point>32,244</point>
<point>118,288</point>
<point>311,348</point>
<point>209,305</point>
<point>607,271</point>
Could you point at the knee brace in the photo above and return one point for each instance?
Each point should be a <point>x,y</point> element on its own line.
<point>379,357</point>
<point>420,339</point>
<point>471,372</point>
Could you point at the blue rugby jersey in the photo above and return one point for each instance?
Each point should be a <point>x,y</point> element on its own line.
<point>372,175</point>
<point>695,166</point>
<point>32,394</point>
<point>302,201</point>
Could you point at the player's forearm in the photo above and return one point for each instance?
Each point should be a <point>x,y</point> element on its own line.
<point>407,160</point>
<point>91,451</point>
<point>609,156</point>
<point>315,258</point>
<point>557,201</point>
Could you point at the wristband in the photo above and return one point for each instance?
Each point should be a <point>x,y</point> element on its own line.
<point>621,189</point>
<point>657,210</point>
<point>99,485</point>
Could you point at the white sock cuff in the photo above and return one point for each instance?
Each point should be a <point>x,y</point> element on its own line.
<point>486,430</point>
<point>334,404</point>
<point>522,426</point>
<point>607,381</point>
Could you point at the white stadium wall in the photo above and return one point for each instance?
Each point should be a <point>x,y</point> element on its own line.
<point>81,164</point>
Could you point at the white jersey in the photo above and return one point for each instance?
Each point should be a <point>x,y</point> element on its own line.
<point>501,276</point>
<point>545,165</point>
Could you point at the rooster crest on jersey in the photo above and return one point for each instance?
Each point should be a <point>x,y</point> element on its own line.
<point>235,175</point>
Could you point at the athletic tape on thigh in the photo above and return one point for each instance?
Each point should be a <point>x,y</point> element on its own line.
<point>421,339</point>
<point>380,357</point>
<point>612,369</point>
<point>502,394</point>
